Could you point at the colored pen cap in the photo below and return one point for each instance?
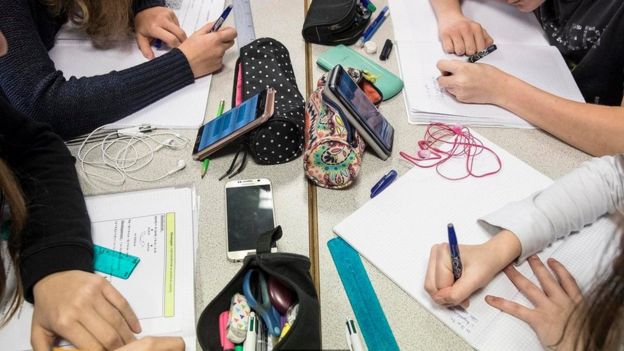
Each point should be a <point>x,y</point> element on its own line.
<point>281,296</point>
<point>385,52</point>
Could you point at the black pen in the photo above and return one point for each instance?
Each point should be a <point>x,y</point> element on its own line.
<point>481,54</point>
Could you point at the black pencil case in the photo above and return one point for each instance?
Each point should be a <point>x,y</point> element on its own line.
<point>293,271</point>
<point>333,22</point>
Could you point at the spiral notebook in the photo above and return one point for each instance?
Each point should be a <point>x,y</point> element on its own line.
<point>396,229</point>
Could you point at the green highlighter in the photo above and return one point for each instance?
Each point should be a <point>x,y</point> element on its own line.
<point>387,82</point>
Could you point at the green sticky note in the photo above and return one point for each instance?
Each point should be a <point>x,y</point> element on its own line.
<point>113,262</point>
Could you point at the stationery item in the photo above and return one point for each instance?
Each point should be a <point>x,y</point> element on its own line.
<point>291,314</point>
<point>238,347</point>
<point>348,337</point>
<point>383,183</point>
<point>393,232</point>
<point>281,296</point>
<point>333,150</point>
<point>294,269</point>
<point>362,296</point>
<point>443,142</point>
<point>239,318</point>
<point>354,336</point>
<point>285,330</point>
<point>481,54</point>
<point>260,301</point>
<point>260,335</point>
<point>369,5</point>
<point>113,262</point>
<point>219,22</point>
<point>224,318</point>
<point>266,62</point>
<point>75,55</point>
<point>250,340</point>
<point>523,52</point>
<point>370,47</point>
<point>456,262</point>
<point>370,31</point>
<point>245,32</point>
<point>385,52</point>
<point>386,82</point>
<point>332,22</point>
<point>204,169</point>
<point>159,227</point>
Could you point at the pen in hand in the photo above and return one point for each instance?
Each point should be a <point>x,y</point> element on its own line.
<point>455,258</point>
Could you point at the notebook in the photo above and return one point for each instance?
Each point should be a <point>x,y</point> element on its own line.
<point>522,51</point>
<point>396,230</point>
<point>160,227</point>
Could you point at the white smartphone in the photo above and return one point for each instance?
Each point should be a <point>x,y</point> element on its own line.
<point>249,212</point>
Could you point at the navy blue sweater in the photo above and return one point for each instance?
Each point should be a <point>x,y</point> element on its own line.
<point>73,106</point>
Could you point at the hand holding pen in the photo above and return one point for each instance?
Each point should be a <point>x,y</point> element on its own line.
<point>480,264</point>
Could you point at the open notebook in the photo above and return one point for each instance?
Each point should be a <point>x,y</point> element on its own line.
<point>396,230</point>
<point>158,226</point>
<point>75,55</point>
<point>522,52</point>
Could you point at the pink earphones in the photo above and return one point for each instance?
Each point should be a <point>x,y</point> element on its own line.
<point>443,142</point>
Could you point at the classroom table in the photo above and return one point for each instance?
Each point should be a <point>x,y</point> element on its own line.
<point>307,213</point>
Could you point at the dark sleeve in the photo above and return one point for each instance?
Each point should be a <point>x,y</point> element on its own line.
<point>57,235</point>
<point>140,5</point>
<point>76,106</point>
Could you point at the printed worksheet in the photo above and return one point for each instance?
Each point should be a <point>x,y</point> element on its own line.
<point>162,234</point>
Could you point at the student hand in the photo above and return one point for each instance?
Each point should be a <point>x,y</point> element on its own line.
<point>472,82</point>
<point>480,264</point>
<point>83,308</point>
<point>554,302</point>
<point>157,23</point>
<point>204,51</point>
<point>461,35</point>
<point>151,343</point>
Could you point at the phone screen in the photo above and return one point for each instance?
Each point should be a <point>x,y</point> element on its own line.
<point>230,121</point>
<point>353,96</point>
<point>249,214</point>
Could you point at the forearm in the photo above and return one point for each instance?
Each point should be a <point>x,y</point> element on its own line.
<point>572,202</point>
<point>445,8</point>
<point>595,129</point>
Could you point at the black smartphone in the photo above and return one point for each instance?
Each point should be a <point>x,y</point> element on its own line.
<point>217,133</point>
<point>361,113</point>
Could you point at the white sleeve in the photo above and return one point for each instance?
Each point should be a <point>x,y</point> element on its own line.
<point>572,202</point>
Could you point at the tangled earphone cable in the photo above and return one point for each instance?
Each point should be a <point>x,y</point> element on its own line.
<point>443,142</point>
<point>121,153</point>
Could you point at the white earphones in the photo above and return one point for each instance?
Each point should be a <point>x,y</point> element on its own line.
<point>125,152</point>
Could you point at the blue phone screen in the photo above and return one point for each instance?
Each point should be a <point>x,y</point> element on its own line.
<point>364,108</point>
<point>229,122</point>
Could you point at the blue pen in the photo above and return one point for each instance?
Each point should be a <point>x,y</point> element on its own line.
<point>455,259</point>
<point>372,28</point>
<point>383,183</point>
<point>219,22</point>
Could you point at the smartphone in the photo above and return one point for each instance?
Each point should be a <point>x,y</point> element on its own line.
<point>344,95</point>
<point>238,121</point>
<point>249,213</point>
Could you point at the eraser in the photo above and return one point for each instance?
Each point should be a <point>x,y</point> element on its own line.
<point>370,47</point>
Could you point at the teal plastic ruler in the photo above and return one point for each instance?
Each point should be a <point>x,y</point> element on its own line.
<point>364,302</point>
<point>113,262</point>
<point>244,23</point>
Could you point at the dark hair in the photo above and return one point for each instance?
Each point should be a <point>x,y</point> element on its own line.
<point>11,192</point>
<point>600,318</point>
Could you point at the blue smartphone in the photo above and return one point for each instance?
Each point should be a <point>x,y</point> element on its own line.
<point>222,130</point>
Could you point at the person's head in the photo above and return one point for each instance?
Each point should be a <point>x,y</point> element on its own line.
<point>11,195</point>
<point>525,5</point>
<point>601,316</point>
<point>101,19</point>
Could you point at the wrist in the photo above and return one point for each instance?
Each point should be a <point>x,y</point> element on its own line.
<point>504,87</point>
<point>506,247</point>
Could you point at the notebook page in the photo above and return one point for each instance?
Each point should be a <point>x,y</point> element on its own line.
<point>541,66</point>
<point>415,20</point>
<point>396,230</point>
